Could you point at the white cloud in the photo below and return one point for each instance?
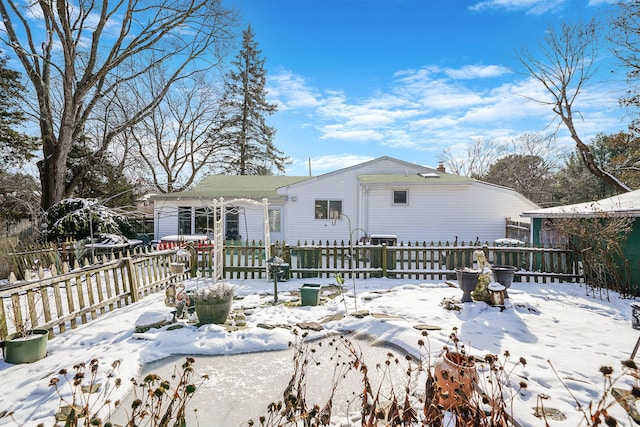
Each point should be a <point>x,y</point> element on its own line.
<point>432,108</point>
<point>350,133</point>
<point>477,71</point>
<point>534,7</point>
<point>324,164</point>
<point>595,3</point>
<point>290,91</point>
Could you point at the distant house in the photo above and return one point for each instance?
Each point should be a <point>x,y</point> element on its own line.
<point>384,196</point>
<point>625,205</point>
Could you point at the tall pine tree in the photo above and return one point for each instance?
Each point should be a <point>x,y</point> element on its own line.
<point>250,140</point>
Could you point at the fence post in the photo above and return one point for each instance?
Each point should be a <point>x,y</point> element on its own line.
<point>133,279</point>
<point>384,260</point>
<point>3,321</point>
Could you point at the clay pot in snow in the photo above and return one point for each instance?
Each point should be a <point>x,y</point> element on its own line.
<point>456,377</point>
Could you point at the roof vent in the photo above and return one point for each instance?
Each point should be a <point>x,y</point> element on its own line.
<point>429,175</point>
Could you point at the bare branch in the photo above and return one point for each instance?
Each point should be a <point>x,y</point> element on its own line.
<point>92,49</point>
<point>563,67</point>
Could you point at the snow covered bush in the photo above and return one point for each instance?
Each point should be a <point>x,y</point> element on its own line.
<point>74,218</point>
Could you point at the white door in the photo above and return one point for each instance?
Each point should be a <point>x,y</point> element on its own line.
<point>275,224</point>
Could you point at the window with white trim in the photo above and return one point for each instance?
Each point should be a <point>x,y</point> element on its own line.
<point>400,197</point>
<point>275,222</point>
<point>328,209</point>
<point>184,220</point>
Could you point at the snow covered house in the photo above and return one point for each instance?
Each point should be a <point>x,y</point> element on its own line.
<point>384,196</point>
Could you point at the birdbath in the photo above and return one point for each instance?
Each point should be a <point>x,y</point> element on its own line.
<point>275,264</point>
<point>504,274</point>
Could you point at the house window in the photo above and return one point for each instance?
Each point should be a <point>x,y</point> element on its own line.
<point>275,221</point>
<point>184,220</point>
<point>328,209</point>
<point>204,220</point>
<point>400,197</point>
<point>232,224</point>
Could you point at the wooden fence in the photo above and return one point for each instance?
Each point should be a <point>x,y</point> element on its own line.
<point>429,261</point>
<point>71,297</point>
<point>76,296</point>
<point>23,263</point>
<point>517,230</point>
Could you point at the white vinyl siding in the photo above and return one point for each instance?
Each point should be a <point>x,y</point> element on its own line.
<point>445,213</point>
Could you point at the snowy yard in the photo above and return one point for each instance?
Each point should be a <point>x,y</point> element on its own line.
<point>547,324</point>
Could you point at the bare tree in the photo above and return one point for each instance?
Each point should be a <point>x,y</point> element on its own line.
<point>564,67</point>
<point>78,55</point>
<point>625,36</point>
<point>528,166</point>
<point>177,142</point>
<point>479,156</point>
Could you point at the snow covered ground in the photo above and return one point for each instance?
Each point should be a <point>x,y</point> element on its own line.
<point>555,325</point>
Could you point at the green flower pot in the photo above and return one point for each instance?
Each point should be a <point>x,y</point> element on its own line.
<point>213,311</point>
<point>26,349</point>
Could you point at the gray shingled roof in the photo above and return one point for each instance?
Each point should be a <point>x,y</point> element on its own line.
<point>236,186</point>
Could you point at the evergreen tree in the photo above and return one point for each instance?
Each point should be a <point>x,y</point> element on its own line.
<point>620,155</point>
<point>19,196</point>
<point>249,140</point>
<point>104,179</point>
<point>613,153</point>
<point>576,184</point>
<point>15,147</point>
<point>616,153</point>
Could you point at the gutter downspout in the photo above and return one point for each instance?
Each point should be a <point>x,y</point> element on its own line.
<point>365,213</point>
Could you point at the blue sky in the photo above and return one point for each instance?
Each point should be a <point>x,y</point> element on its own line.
<point>359,79</point>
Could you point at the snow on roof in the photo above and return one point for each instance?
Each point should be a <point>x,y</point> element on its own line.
<point>626,204</point>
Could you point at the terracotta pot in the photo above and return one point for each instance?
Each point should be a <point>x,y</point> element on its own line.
<point>456,378</point>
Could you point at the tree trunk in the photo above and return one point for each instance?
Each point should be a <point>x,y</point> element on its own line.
<point>52,178</point>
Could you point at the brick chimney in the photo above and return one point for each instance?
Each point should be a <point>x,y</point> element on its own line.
<point>441,168</point>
